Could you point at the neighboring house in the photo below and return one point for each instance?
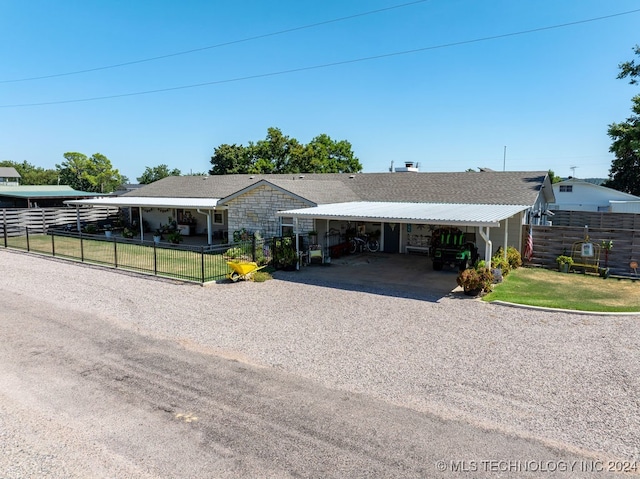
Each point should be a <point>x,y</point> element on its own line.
<point>39,196</point>
<point>578,195</point>
<point>403,207</point>
<point>9,176</point>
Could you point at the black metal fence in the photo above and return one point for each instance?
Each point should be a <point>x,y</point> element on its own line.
<point>184,262</point>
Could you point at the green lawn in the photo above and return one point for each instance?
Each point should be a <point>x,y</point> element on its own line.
<point>171,262</point>
<point>584,292</point>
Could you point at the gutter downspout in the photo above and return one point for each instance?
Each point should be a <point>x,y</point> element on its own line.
<point>488,245</point>
<point>209,225</point>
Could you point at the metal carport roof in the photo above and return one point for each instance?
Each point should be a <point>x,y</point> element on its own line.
<point>426,213</point>
<point>203,203</point>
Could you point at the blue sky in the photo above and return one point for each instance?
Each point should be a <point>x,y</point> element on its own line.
<point>547,96</point>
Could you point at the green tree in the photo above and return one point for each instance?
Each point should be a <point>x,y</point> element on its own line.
<point>230,159</point>
<point>553,177</point>
<point>32,175</point>
<point>278,153</point>
<point>94,174</point>
<point>630,69</point>
<point>156,173</point>
<point>325,155</point>
<point>624,174</point>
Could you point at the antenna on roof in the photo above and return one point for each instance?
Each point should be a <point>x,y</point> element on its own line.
<point>391,167</point>
<point>573,171</point>
<point>504,159</point>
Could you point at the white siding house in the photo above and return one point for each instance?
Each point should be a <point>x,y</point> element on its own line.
<point>578,195</point>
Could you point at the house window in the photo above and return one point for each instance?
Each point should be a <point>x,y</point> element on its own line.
<point>217,218</point>
<point>566,188</point>
<point>286,226</point>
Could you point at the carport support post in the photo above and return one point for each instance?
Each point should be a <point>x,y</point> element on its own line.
<point>506,238</point>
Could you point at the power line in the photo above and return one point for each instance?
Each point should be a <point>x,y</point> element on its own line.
<point>325,65</point>
<point>218,45</point>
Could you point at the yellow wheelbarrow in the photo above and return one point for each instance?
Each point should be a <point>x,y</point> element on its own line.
<point>242,270</point>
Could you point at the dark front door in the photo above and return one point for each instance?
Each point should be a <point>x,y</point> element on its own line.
<point>392,237</point>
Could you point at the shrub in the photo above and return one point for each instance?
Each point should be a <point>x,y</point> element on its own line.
<point>261,276</point>
<point>241,235</point>
<point>239,252</point>
<point>475,279</point>
<point>514,258</point>
<point>498,262</point>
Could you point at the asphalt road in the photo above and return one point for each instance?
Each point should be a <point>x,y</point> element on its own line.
<point>84,396</point>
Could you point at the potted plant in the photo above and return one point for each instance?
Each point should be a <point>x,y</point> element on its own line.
<point>475,281</point>
<point>108,231</point>
<point>175,236</point>
<point>157,235</point>
<point>127,232</point>
<point>564,263</point>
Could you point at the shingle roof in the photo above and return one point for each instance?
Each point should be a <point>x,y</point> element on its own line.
<point>487,187</point>
<point>9,172</point>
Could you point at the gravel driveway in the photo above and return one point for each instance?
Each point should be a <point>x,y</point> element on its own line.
<point>567,379</point>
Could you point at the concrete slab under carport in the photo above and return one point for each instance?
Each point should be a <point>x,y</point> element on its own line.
<point>400,275</point>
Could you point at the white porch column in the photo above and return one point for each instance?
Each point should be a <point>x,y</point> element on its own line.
<point>297,236</point>
<point>78,226</point>
<point>140,221</point>
<point>506,238</point>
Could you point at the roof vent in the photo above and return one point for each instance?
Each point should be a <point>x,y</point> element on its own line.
<point>409,166</point>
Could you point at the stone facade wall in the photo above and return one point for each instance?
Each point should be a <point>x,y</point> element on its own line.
<point>256,211</point>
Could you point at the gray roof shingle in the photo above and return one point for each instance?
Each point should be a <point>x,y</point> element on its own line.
<point>487,187</point>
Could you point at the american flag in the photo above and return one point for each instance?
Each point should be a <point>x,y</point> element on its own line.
<point>528,248</point>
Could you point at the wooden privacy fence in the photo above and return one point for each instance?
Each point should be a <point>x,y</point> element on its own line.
<point>605,220</point>
<point>551,241</point>
<point>38,220</point>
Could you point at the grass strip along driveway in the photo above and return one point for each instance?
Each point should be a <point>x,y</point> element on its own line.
<point>179,263</point>
<point>577,291</point>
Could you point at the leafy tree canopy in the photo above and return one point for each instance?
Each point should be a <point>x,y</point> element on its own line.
<point>32,175</point>
<point>278,153</point>
<point>553,177</point>
<point>630,69</point>
<point>624,174</point>
<point>94,174</point>
<point>157,173</point>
